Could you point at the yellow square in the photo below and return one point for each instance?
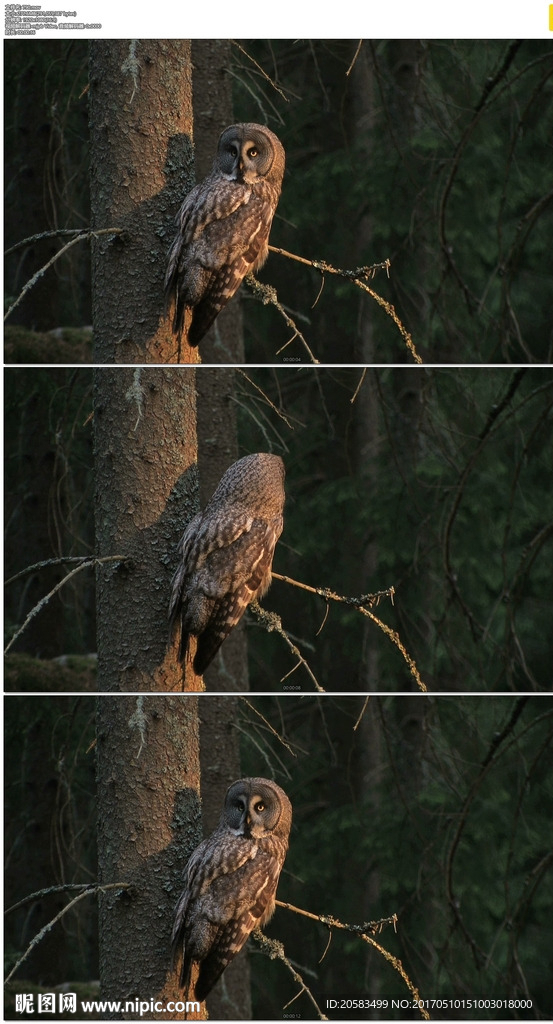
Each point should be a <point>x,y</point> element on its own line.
<point>551,17</point>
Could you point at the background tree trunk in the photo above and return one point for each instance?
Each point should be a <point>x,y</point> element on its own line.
<point>220,767</point>
<point>217,450</point>
<point>149,821</point>
<point>141,169</point>
<point>146,493</point>
<point>212,104</point>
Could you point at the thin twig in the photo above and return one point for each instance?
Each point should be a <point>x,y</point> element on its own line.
<point>70,887</point>
<point>273,623</point>
<point>358,388</point>
<point>355,56</point>
<point>62,561</point>
<point>260,69</point>
<point>269,726</point>
<point>275,950</point>
<point>268,295</point>
<point>361,713</point>
<point>59,233</point>
<point>267,399</point>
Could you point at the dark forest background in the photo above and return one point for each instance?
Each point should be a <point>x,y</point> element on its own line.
<point>437,809</point>
<point>431,480</point>
<point>436,482</point>
<point>434,154</point>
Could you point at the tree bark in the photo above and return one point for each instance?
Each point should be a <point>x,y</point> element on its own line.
<point>149,822</point>
<point>146,493</point>
<point>141,169</point>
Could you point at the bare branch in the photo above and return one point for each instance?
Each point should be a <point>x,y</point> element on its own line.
<point>359,603</point>
<point>47,927</point>
<point>269,726</point>
<point>62,561</point>
<point>268,295</point>
<point>362,930</point>
<point>82,236</point>
<point>44,600</point>
<point>266,398</point>
<point>70,887</point>
<point>359,277</point>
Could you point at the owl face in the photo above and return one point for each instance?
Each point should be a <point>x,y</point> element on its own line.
<point>245,154</point>
<point>252,809</point>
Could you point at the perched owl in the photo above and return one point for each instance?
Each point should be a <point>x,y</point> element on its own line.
<point>226,554</point>
<point>223,226</point>
<point>231,880</point>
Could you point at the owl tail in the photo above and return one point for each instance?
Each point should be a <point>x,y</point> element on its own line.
<point>210,971</point>
<point>209,643</point>
<point>203,315</point>
<point>175,626</point>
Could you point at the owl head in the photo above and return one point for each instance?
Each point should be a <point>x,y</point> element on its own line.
<point>255,482</point>
<point>248,152</point>
<point>256,807</point>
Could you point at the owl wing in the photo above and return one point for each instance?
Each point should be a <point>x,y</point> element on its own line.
<point>203,535</point>
<point>201,911</point>
<point>236,576</point>
<point>209,203</point>
<point>256,885</point>
<point>225,563</point>
<point>248,232</point>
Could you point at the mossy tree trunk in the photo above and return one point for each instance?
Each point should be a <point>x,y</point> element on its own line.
<point>149,822</point>
<point>146,494</point>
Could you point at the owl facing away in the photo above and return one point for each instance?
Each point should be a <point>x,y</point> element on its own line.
<point>226,554</point>
<point>223,227</point>
<point>231,881</point>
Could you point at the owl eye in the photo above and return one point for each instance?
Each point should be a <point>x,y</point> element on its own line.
<point>253,152</point>
<point>260,806</point>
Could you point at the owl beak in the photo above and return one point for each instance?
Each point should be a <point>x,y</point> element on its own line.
<point>246,824</point>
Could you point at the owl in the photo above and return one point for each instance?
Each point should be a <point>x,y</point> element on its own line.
<point>223,226</point>
<point>231,881</point>
<point>226,554</point>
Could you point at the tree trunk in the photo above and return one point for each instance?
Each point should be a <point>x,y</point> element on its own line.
<point>141,169</point>
<point>148,825</point>
<point>146,493</point>
<point>217,450</point>
<point>220,766</point>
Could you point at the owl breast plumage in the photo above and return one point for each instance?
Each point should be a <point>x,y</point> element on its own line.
<point>231,880</point>
<point>226,555</point>
<point>223,227</point>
